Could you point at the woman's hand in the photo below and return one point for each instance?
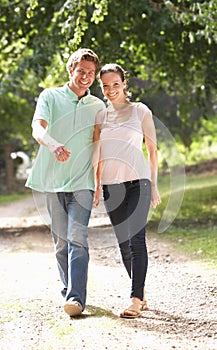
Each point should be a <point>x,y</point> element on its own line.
<point>155,196</point>
<point>97,196</point>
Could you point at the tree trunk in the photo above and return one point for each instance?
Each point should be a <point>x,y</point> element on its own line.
<point>9,166</point>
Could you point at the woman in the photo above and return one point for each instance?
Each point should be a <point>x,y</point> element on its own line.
<point>129,182</point>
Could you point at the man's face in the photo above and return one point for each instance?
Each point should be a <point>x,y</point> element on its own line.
<point>82,76</point>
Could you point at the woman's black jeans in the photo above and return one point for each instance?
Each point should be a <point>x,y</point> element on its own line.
<point>127,205</point>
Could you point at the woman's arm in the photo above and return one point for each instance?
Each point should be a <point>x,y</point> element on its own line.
<point>149,133</point>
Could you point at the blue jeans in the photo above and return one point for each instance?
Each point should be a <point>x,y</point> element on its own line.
<point>70,213</point>
<point>127,205</point>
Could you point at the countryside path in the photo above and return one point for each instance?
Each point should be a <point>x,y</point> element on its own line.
<point>182,294</point>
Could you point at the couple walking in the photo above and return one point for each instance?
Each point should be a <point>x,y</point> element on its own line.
<point>88,147</point>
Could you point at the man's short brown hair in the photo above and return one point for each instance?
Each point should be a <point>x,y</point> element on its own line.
<point>82,54</point>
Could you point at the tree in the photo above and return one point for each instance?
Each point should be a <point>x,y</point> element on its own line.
<point>166,36</point>
<point>170,44</point>
<point>16,114</point>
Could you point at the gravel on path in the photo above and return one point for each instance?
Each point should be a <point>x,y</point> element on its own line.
<point>181,293</point>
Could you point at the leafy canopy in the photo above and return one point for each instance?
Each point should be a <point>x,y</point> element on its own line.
<point>171,44</point>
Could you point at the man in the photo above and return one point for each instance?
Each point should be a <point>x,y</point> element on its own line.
<point>63,124</point>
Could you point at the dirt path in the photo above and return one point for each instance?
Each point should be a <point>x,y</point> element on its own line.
<point>182,295</point>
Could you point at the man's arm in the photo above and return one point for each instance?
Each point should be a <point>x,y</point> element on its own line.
<point>41,135</point>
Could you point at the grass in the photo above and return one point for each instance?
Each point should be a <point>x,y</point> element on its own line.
<point>6,314</point>
<point>8,198</point>
<point>198,243</point>
<point>194,229</point>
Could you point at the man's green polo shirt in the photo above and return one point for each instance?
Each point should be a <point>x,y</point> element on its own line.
<point>70,122</point>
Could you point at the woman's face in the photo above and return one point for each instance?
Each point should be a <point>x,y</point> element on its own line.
<point>113,87</point>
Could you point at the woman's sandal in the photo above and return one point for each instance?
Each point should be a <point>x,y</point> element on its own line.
<point>130,313</point>
<point>144,305</point>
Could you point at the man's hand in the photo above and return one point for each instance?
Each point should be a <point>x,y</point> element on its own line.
<point>61,154</point>
<point>57,149</point>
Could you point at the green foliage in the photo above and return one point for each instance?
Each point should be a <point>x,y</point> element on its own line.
<point>34,32</point>
<point>137,39</point>
<point>17,105</point>
<point>201,13</point>
<point>202,149</point>
<point>153,42</point>
<point>169,44</point>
